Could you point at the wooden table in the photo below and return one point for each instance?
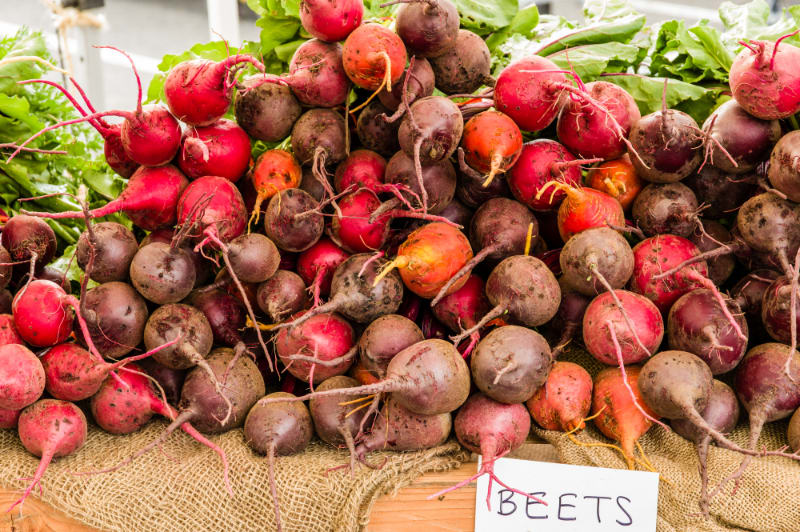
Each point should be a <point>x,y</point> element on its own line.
<point>404,512</point>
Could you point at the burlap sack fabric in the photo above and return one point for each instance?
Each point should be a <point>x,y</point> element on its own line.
<point>180,488</point>
<point>765,501</point>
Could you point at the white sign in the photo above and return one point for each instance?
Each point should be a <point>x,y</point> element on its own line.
<point>579,499</point>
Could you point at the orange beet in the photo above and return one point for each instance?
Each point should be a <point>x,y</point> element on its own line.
<point>492,143</point>
<point>620,420</point>
<point>563,402</point>
<point>584,208</point>
<point>368,52</point>
<point>274,171</point>
<point>618,179</point>
<point>430,256</point>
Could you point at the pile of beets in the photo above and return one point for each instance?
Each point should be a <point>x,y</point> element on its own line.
<point>336,271</point>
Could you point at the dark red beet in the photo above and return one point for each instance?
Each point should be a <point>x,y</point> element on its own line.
<point>511,363</point>
<point>163,273</point>
<point>720,191</point>
<point>292,220</point>
<point>374,132</point>
<point>749,291</point>
<point>747,139</point>
<point>116,315</point>
<point>266,108</point>
<point>464,67</point>
<point>713,233</point>
<point>224,313</point>
<point>27,238</point>
<point>383,339</point>
<point>282,295</point>
<point>439,180</point>
<point>669,208</point>
<point>428,28</point>
<point>697,324</point>
<point>114,248</point>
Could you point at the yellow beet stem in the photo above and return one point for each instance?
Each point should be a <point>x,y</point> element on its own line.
<point>528,239</point>
<point>572,193</point>
<point>401,261</point>
<point>497,161</point>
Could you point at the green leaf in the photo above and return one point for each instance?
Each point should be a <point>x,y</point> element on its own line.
<point>275,31</point>
<point>591,60</point>
<point>693,99</point>
<point>621,29</point>
<point>692,55</point>
<point>751,21</point>
<point>523,23</point>
<point>484,17</point>
<point>594,10</point>
<point>24,43</point>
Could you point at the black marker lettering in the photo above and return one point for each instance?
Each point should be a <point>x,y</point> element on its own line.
<point>506,499</point>
<point>599,498</point>
<point>530,502</point>
<point>630,519</point>
<point>562,504</point>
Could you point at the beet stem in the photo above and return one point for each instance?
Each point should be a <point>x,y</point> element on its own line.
<point>47,457</point>
<point>124,114</point>
<point>468,267</point>
<point>386,385</point>
<point>211,233</point>
<point>775,49</point>
<point>725,249</point>
<point>706,283</point>
<point>613,333</point>
<point>103,130</point>
<point>327,363</point>
<point>135,73</point>
<point>496,312</point>
<point>465,168</point>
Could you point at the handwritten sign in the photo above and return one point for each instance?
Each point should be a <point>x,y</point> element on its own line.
<point>579,499</point>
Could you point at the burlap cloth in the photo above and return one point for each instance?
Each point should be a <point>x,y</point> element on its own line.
<point>765,501</point>
<point>180,488</point>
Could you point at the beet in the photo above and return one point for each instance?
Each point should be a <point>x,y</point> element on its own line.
<point>428,28</point>
<point>465,67</point>
<point>745,138</point>
<point>669,208</point>
<point>316,74</point>
<point>564,400</point>
<point>749,291</point>
<point>666,162</point>
<point>383,339</point>
<point>188,324</point>
<point>290,221</point>
<point>596,259</point>
<point>27,238</point>
<point>439,180</point>
<point>374,132</point>
<point>783,171</point>
<point>335,423</point>
<point>511,363</point>
<point>116,315</point>
<point>629,328</point>
<point>697,324</point>
<point>721,192</point>
<point>357,294</point>
<point>224,313</point>
<point>282,295</point>
<point>266,109</point>
<point>114,248</point>
<point>163,273</point>
<point>721,413</point>
<point>323,346</point>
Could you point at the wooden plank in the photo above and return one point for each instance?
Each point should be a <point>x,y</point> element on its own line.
<point>404,512</point>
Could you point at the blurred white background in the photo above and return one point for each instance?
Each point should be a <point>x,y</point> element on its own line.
<point>149,29</point>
